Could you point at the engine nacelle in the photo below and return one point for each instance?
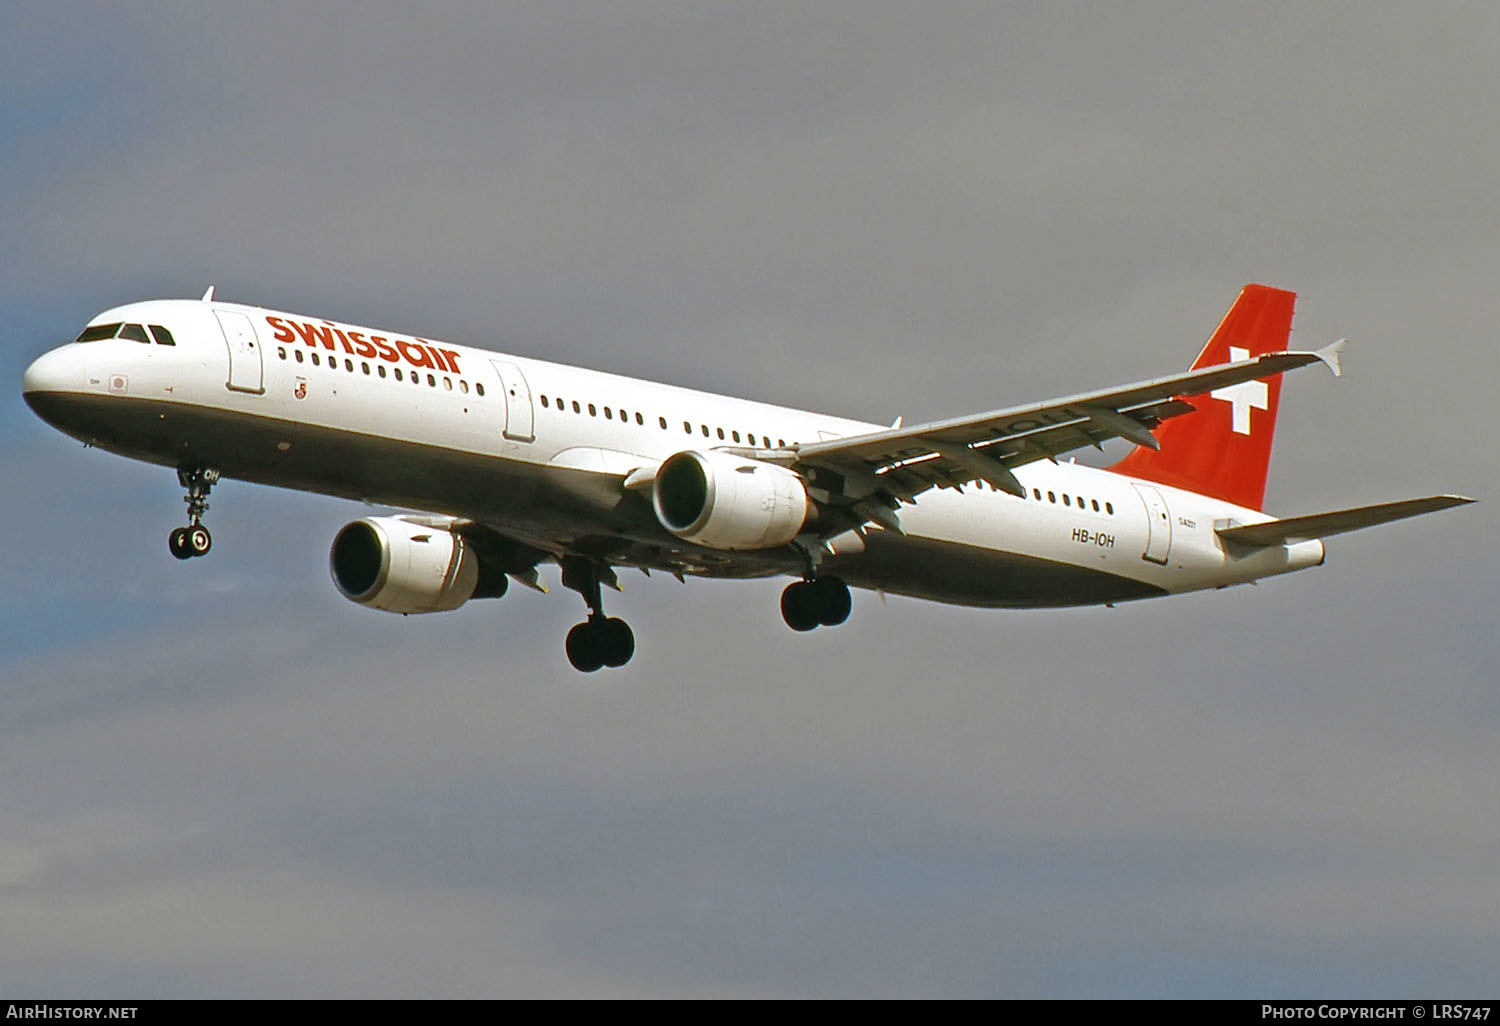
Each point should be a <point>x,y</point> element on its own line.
<point>390,564</point>
<point>728,502</point>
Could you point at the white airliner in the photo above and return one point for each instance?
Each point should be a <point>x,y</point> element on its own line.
<point>515,462</point>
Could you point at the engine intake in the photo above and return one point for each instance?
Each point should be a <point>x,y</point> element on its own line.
<point>729,502</point>
<point>388,563</point>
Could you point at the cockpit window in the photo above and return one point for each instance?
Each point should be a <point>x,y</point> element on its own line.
<point>99,332</point>
<point>134,332</point>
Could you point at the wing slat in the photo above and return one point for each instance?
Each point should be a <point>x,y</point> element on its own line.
<point>906,461</point>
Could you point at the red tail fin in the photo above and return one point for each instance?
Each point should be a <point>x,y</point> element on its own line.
<point>1223,448</point>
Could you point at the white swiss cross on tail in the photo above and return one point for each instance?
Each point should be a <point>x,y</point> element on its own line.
<point>1244,396</point>
<point>1205,451</point>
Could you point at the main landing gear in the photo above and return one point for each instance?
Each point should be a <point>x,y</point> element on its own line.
<point>194,539</point>
<point>819,602</point>
<point>600,640</point>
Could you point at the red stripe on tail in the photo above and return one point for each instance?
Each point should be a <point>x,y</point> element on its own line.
<point>1223,448</point>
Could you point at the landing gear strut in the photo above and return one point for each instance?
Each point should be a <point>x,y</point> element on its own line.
<point>600,640</point>
<point>820,602</point>
<point>194,539</point>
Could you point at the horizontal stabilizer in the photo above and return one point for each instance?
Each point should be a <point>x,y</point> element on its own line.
<point>1321,525</point>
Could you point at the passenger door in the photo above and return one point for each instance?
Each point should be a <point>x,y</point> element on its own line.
<point>246,373</point>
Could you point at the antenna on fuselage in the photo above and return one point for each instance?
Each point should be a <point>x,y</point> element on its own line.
<point>208,297</point>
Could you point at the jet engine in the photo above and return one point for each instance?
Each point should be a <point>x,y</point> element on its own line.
<point>728,502</point>
<point>401,567</point>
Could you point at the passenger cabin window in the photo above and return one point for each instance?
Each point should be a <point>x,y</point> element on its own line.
<point>479,388</point>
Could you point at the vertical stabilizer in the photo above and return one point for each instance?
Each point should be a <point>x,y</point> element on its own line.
<point>1223,448</point>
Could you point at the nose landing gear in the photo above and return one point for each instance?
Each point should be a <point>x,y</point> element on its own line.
<point>194,539</point>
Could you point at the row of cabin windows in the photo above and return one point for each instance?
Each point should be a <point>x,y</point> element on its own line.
<point>1071,500</point>
<point>133,332</point>
<point>624,416</point>
<point>1107,508</point>
<point>555,402</point>
<point>380,371</point>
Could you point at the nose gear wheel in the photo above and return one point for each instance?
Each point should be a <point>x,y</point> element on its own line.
<point>194,539</point>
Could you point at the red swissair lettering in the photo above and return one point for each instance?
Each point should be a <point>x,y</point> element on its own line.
<point>418,352</point>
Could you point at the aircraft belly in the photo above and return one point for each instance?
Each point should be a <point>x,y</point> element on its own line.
<point>585,511</point>
<point>978,549</point>
<point>984,548</point>
<point>962,574</point>
<point>270,450</point>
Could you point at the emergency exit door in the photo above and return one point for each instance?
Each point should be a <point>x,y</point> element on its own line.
<point>518,413</point>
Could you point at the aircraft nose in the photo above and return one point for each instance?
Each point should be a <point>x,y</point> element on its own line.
<point>52,383</point>
<point>51,372</point>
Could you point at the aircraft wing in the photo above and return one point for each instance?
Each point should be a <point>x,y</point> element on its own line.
<point>1321,525</point>
<point>899,463</point>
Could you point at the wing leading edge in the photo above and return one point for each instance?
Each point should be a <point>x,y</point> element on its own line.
<point>899,463</point>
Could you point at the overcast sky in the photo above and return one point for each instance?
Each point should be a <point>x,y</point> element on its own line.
<point>222,779</point>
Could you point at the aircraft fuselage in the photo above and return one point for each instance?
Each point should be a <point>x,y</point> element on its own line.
<point>539,450</point>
